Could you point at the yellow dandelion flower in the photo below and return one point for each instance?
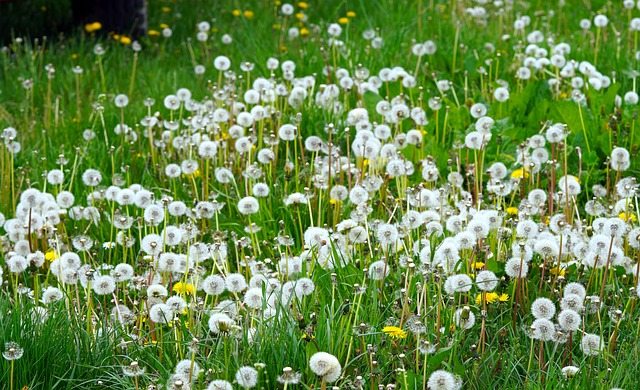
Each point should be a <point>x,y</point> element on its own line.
<point>478,265</point>
<point>627,218</point>
<point>300,16</point>
<point>303,5</point>
<point>512,210</point>
<point>125,40</point>
<point>248,14</point>
<point>166,9</point>
<point>490,296</point>
<point>164,25</point>
<point>153,33</point>
<point>236,12</point>
<point>343,20</point>
<point>51,255</point>
<point>304,31</point>
<point>519,174</point>
<point>74,56</point>
<point>184,288</point>
<point>503,297</point>
<point>195,173</point>
<point>116,37</point>
<point>92,27</point>
<point>557,271</point>
<point>351,14</point>
<point>334,201</point>
<point>394,332</point>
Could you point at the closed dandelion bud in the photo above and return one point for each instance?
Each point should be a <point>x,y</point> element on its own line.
<point>375,368</point>
<point>313,317</point>
<point>220,323</point>
<point>464,318</point>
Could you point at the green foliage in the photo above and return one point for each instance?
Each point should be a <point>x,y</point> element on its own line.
<point>349,307</point>
<point>58,352</point>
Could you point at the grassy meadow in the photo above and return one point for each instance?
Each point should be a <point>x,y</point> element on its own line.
<point>384,194</point>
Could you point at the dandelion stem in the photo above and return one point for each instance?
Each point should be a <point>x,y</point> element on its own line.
<point>584,129</point>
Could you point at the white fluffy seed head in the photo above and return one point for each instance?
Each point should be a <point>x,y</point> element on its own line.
<point>247,377</point>
<point>486,280</point>
<point>443,380</point>
<point>569,320</point>
<point>543,308</point>
<point>326,366</point>
<point>591,344</point>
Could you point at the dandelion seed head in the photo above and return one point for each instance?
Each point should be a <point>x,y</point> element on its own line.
<point>443,380</point>
<point>326,366</point>
<point>591,344</point>
<point>569,320</point>
<point>12,351</point>
<point>161,313</point>
<point>486,280</point>
<point>235,283</point>
<point>543,308</point>
<point>569,371</point>
<point>378,270</point>
<point>104,285</point>
<point>188,368</point>
<point>517,267</point>
<point>543,329</point>
<point>247,377</point>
